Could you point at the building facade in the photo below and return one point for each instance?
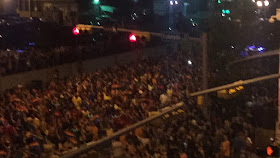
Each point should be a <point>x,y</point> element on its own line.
<point>7,7</point>
<point>1,7</point>
<point>164,7</point>
<point>60,11</point>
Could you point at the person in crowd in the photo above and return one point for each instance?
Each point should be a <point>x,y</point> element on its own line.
<point>239,144</point>
<point>225,148</point>
<point>70,112</point>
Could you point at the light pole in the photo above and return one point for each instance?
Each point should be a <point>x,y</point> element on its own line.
<point>96,8</point>
<point>272,19</point>
<point>204,71</point>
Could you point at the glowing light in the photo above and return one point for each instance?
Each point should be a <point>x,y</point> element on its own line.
<point>95,1</point>
<point>132,38</point>
<point>76,31</point>
<point>176,2</point>
<point>269,151</point>
<point>171,2</point>
<point>239,88</point>
<point>189,62</point>
<point>260,49</point>
<point>251,48</point>
<point>31,43</point>
<point>266,3</point>
<point>20,51</point>
<point>259,3</point>
<point>226,11</point>
<point>231,91</point>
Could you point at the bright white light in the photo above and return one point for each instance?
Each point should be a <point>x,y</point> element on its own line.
<point>260,49</point>
<point>223,14</point>
<point>169,28</point>
<point>254,1</point>
<point>266,3</point>
<point>0,36</point>
<point>259,3</point>
<point>171,2</point>
<point>176,2</point>
<point>189,62</point>
<point>132,38</point>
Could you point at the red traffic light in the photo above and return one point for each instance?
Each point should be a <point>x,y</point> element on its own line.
<point>132,38</point>
<point>76,31</point>
<point>269,151</point>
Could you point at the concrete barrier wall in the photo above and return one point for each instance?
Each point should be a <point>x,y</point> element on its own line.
<point>66,70</point>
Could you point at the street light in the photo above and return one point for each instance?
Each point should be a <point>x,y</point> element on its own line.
<point>266,3</point>
<point>259,3</point>
<point>171,2</point>
<point>95,1</point>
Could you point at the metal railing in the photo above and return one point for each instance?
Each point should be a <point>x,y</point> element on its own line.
<point>89,147</point>
<point>266,54</point>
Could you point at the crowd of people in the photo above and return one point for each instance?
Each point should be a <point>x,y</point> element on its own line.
<point>74,111</point>
<point>71,112</point>
<point>190,134</point>
<point>12,62</point>
<point>227,132</point>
